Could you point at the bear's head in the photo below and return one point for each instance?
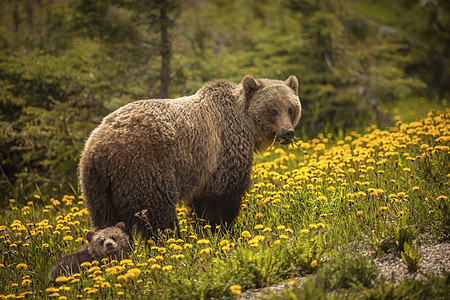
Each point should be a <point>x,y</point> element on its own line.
<point>109,242</point>
<point>273,107</point>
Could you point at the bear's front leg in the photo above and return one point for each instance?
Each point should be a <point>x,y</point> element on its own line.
<point>218,210</point>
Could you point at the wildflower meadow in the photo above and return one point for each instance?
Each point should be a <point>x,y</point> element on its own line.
<point>316,207</point>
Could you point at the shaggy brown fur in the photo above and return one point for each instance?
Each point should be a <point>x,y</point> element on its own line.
<point>111,242</point>
<point>152,154</point>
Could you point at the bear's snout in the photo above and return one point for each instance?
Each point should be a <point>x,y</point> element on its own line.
<point>110,245</point>
<point>286,136</point>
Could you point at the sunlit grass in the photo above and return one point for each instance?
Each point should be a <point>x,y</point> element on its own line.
<point>311,200</point>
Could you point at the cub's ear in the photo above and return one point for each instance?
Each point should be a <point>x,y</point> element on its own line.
<point>89,236</point>
<point>250,85</point>
<point>292,82</point>
<point>121,225</point>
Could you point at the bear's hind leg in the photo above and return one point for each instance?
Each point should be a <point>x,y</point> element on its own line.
<point>156,220</point>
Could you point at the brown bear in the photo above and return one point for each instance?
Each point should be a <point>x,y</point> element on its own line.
<point>152,154</point>
<point>111,242</point>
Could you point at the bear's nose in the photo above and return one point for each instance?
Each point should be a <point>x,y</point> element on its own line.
<point>109,245</point>
<point>287,136</point>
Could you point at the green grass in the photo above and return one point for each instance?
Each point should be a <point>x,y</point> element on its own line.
<point>356,278</point>
<point>311,202</point>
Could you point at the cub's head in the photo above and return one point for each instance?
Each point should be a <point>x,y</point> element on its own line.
<point>109,242</point>
<point>273,107</point>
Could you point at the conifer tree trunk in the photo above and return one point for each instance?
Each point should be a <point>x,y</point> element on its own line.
<point>165,53</point>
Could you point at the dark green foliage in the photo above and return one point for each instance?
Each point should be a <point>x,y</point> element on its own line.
<point>431,288</point>
<point>340,275</point>
<point>345,272</point>
<point>395,237</point>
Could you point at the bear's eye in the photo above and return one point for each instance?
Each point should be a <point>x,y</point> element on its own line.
<point>273,112</point>
<point>291,112</point>
<point>114,238</point>
<point>102,241</point>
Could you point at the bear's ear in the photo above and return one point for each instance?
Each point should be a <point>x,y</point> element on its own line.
<point>292,82</point>
<point>121,225</point>
<point>250,85</point>
<point>89,236</point>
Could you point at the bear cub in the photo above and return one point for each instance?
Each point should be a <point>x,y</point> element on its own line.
<point>111,242</point>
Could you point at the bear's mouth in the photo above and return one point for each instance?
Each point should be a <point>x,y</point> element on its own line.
<point>282,140</point>
<point>110,251</point>
<point>285,137</point>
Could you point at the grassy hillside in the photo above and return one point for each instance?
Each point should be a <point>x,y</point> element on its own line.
<point>378,190</point>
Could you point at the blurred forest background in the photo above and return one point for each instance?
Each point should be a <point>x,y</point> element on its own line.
<point>65,64</point>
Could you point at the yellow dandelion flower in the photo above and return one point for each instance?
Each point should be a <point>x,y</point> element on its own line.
<point>289,230</point>
<point>203,241</point>
<point>284,237</point>
<point>321,224</point>
<point>259,238</point>
<point>122,278</point>
<point>85,264</point>
<point>133,273</point>
<point>224,242</point>
<point>21,266</point>
<point>92,291</point>
<point>304,230</point>
<point>177,248</point>
<point>94,269</point>
<point>292,282</point>
<point>277,242</point>
<point>156,266</point>
<point>54,295</point>
<point>258,227</point>
<point>246,234</point>
<point>236,289</point>
<point>206,250</point>
<point>187,245</point>
<point>442,197</point>
<point>167,268</point>
<point>415,188</point>
<point>281,227</point>
<point>26,282</point>
<point>68,238</point>
<point>61,279</point>
<point>159,257</point>
<point>313,264</point>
